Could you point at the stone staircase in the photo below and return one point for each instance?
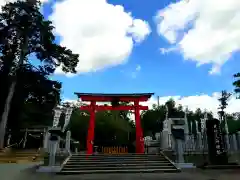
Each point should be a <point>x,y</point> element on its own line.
<point>127,163</point>
<point>20,156</point>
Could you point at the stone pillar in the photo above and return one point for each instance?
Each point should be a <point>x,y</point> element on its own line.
<point>198,138</point>
<point>199,144</point>
<point>25,138</point>
<point>234,143</point>
<point>57,114</point>
<point>179,151</point>
<point>58,144</point>
<point>46,140</point>
<point>68,113</point>
<point>186,130</point>
<point>164,140</point>
<point>52,153</point>
<point>197,130</point>
<point>169,123</point>
<point>226,139</point>
<point>238,138</point>
<point>164,135</point>
<point>9,140</point>
<point>226,136</point>
<point>68,142</point>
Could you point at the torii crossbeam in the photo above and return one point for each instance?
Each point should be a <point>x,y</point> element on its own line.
<point>92,108</point>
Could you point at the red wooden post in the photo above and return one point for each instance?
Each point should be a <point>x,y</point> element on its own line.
<point>139,134</point>
<point>90,137</point>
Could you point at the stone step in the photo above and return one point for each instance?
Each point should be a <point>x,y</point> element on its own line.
<point>114,155</point>
<point>116,165</point>
<point>117,157</point>
<point>103,163</point>
<point>118,160</point>
<point>114,162</point>
<point>102,171</point>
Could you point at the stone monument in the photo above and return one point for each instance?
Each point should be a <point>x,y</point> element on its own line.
<point>54,137</point>
<point>166,133</point>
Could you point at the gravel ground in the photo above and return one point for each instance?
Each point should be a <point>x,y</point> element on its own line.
<point>26,172</point>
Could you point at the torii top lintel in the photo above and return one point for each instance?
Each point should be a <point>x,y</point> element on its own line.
<point>113,97</point>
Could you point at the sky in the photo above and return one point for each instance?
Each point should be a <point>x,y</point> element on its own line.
<point>187,49</point>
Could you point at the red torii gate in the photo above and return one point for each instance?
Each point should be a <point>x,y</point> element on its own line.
<point>92,108</point>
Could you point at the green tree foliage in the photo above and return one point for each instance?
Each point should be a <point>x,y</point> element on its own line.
<point>23,28</point>
<point>33,101</point>
<point>35,96</point>
<point>26,38</point>
<point>152,120</point>
<point>25,33</point>
<point>223,103</point>
<point>233,122</point>
<point>236,84</point>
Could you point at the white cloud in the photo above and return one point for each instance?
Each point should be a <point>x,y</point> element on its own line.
<point>204,31</point>
<point>136,71</point>
<point>203,101</point>
<point>167,50</point>
<point>101,33</point>
<point>138,68</point>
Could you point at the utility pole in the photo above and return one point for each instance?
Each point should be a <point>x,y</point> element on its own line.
<point>158,103</point>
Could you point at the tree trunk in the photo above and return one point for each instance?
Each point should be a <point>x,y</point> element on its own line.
<point>11,93</point>
<point>6,113</point>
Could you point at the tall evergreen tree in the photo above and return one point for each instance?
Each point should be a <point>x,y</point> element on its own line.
<point>236,84</point>
<point>223,103</point>
<point>25,32</point>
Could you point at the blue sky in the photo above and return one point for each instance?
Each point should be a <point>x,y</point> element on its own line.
<point>147,69</point>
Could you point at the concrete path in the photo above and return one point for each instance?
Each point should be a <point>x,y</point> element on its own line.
<point>12,171</point>
<point>25,172</point>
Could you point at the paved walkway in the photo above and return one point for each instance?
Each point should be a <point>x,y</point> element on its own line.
<point>25,172</point>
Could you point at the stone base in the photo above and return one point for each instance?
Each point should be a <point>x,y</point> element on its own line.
<point>227,166</point>
<point>49,169</point>
<point>185,165</point>
<point>152,150</point>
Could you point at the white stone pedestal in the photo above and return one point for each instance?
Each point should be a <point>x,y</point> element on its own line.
<point>68,142</point>
<point>179,151</point>
<point>164,140</point>
<point>234,143</point>
<point>49,169</point>
<point>52,154</point>
<point>46,141</point>
<point>238,138</point>
<point>226,138</point>
<point>185,165</point>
